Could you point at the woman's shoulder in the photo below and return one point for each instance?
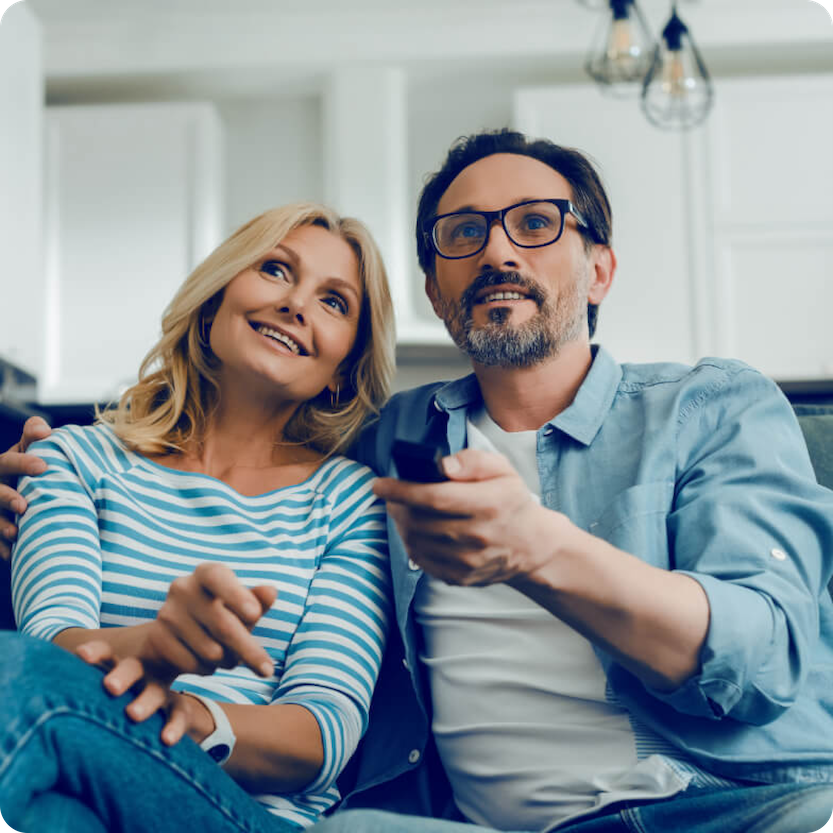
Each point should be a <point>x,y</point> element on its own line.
<point>96,445</point>
<point>339,474</point>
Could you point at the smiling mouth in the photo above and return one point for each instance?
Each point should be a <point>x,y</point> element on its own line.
<point>501,296</point>
<point>280,337</point>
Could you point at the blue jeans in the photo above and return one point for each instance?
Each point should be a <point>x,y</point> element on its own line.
<point>71,761</point>
<point>781,808</point>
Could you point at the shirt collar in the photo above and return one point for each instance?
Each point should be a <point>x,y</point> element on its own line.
<point>581,420</point>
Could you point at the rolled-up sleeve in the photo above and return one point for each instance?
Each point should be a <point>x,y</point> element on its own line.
<point>749,523</point>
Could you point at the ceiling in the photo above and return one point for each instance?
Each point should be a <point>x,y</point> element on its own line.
<point>123,48</point>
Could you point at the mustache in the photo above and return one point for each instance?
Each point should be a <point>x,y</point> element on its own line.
<point>494,277</point>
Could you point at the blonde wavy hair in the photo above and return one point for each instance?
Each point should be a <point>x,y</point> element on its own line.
<point>168,409</point>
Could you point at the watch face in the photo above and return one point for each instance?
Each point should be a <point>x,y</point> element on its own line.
<point>219,752</point>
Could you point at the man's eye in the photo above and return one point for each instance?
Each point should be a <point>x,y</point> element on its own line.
<point>468,230</point>
<point>535,222</point>
<point>337,303</point>
<point>275,269</point>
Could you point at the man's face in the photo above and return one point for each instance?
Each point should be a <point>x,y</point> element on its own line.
<point>508,305</point>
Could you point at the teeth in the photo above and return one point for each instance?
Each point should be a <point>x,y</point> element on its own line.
<point>284,339</point>
<point>503,296</point>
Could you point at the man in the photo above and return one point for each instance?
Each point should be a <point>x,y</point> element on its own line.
<point>619,621</point>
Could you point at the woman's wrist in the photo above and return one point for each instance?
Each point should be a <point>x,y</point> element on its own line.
<point>200,720</point>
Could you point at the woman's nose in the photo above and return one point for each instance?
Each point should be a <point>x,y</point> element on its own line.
<point>293,305</point>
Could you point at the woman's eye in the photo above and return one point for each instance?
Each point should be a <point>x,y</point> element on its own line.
<point>275,269</point>
<point>337,303</point>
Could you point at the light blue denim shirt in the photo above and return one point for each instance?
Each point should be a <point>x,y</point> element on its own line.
<point>701,470</point>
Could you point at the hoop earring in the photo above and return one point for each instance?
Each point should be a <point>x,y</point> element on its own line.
<point>334,397</point>
<point>205,332</point>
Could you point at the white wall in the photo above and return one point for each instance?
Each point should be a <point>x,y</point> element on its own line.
<point>21,184</point>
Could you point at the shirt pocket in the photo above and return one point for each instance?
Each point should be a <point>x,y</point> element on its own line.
<point>635,521</point>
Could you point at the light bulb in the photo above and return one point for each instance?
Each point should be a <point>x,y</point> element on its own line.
<point>677,92</point>
<point>622,49</point>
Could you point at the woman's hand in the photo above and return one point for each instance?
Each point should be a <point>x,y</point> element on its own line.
<point>14,463</point>
<point>184,714</point>
<point>205,623</point>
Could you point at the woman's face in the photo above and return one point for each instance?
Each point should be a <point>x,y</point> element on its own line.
<point>288,322</point>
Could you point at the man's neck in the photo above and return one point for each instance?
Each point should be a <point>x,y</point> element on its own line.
<point>524,399</point>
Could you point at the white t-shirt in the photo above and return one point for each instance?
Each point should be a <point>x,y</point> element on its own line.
<point>524,729</point>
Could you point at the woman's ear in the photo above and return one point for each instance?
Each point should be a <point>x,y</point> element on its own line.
<point>603,264</point>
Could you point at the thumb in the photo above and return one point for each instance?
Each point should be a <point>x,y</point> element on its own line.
<point>266,595</point>
<point>476,464</point>
<point>34,429</point>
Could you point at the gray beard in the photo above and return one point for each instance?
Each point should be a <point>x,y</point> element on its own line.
<point>500,343</point>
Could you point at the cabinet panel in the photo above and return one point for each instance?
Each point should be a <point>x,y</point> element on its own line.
<point>778,297</point>
<point>770,143</point>
<point>133,205</point>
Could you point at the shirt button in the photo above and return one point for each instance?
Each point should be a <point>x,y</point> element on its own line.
<point>548,430</point>
<point>405,664</point>
<point>437,405</point>
<point>778,555</point>
<point>413,756</point>
<point>412,565</point>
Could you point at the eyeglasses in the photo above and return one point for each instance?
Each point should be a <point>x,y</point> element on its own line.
<point>527,224</point>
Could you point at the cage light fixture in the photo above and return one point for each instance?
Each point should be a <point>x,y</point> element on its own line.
<point>621,52</point>
<point>677,93</point>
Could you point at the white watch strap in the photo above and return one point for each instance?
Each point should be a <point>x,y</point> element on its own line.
<point>220,743</point>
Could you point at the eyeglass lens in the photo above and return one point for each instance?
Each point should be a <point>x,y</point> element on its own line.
<point>532,224</point>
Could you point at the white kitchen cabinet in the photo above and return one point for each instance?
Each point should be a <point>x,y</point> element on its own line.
<point>133,203</point>
<point>724,235</point>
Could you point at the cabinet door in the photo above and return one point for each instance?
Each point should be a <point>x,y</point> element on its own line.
<point>769,144</point>
<point>648,313</point>
<point>133,204</point>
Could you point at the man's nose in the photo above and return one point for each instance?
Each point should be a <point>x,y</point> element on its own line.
<point>499,251</point>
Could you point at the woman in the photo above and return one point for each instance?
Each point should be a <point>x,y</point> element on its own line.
<point>205,543</point>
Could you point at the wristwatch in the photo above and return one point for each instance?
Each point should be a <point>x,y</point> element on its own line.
<point>220,743</point>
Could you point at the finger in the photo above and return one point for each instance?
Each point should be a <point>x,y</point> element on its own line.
<point>11,500</point>
<point>5,551</point>
<point>14,464</point>
<point>233,635</point>
<point>177,723</point>
<point>187,643</point>
<point>266,595</point>
<point>153,697</point>
<point>476,464</point>
<point>125,673</point>
<point>437,499</point>
<point>219,581</point>
<point>34,429</point>
<point>96,652</point>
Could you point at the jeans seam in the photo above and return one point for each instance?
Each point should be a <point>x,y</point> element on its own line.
<point>630,816</point>
<point>66,711</point>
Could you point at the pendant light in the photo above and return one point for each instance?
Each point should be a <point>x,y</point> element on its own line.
<point>677,93</point>
<point>622,50</point>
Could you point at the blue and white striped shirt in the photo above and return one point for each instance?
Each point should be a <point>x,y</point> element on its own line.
<point>107,530</point>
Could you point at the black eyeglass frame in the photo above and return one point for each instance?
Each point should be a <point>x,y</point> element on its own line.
<point>565,207</point>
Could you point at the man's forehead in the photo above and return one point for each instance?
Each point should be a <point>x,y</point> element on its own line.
<point>501,179</point>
